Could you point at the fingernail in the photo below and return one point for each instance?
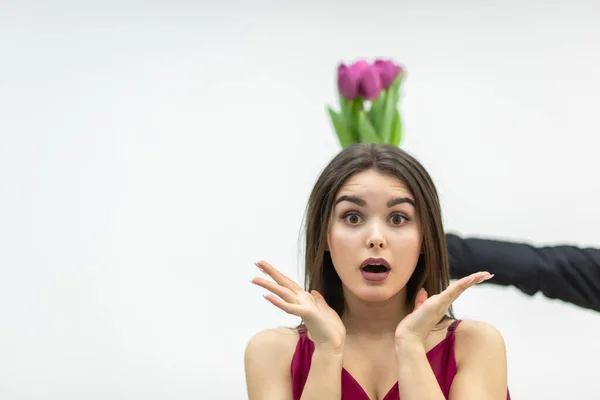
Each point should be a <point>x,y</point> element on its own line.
<point>485,278</point>
<point>259,267</point>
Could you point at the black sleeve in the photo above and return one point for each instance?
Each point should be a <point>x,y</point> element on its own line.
<point>566,273</point>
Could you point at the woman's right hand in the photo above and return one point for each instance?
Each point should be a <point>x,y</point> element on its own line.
<point>324,325</point>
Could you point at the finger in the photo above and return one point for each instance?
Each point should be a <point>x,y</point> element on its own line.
<point>319,298</point>
<point>420,298</point>
<point>278,276</point>
<point>457,288</point>
<point>323,303</point>
<point>282,305</point>
<point>281,291</point>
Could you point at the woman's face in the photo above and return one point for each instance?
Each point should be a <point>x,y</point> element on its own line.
<point>374,218</point>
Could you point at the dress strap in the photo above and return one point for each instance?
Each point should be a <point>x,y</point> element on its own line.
<point>301,330</point>
<point>301,361</point>
<point>453,326</point>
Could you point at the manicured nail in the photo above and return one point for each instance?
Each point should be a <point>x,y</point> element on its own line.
<point>485,278</point>
<point>259,267</point>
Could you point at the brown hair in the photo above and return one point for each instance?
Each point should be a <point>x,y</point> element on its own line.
<point>432,270</point>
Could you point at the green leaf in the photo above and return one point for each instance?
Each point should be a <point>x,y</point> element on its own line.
<point>341,128</point>
<point>353,108</point>
<point>345,106</point>
<point>396,129</point>
<point>376,111</point>
<point>366,130</point>
<point>391,104</point>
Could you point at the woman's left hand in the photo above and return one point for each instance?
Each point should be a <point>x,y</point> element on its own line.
<point>428,312</point>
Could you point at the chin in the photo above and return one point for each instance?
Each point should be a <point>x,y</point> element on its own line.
<point>374,293</point>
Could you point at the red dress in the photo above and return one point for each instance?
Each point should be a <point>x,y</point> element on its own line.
<point>441,358</point>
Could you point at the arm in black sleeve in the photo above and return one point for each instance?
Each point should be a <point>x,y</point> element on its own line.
<point>566,273</point>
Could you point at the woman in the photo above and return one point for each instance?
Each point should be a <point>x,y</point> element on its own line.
<point>376,317</point>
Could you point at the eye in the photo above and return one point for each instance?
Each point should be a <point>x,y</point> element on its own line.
<point>352,218</point>
<point>398,219</point>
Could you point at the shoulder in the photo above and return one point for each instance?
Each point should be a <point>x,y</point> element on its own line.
<point>273,339</point>
<point>475,334</point>
<point>276,344</point>
<point>476,338</point>
<point>478,330</point>
<point>267,361</point>
<point>481,366</point>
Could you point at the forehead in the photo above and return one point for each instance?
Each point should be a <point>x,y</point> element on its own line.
<point>375,183</point>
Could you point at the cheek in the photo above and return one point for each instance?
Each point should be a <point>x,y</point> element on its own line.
<point>407,247</point>
<point>343,247</point>
<point>409,239</point>
<point>340,238</point>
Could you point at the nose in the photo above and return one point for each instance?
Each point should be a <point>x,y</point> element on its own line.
<point>375,243</point>
<point>376,239</point>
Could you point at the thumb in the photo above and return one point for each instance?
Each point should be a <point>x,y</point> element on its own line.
<point>420,298</point>
<point>319,298</point>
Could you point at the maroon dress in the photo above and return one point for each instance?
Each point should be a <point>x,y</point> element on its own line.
<point>441,358</point>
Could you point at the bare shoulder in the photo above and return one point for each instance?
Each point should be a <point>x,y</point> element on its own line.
<point>267,360</point>
<point>278,343</point>
<point>478,331</point>
<point>481,364</point>
<point>474,337</point>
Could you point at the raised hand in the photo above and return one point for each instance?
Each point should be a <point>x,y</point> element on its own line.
<point>415,327</point>
<point>324,325</point>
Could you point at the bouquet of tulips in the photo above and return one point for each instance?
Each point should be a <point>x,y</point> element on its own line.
<point>368,97</point>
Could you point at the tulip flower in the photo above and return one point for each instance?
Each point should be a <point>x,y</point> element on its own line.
<point>347,82</point>
<point>368,97</point>
<point>369,86</point>
<point>388,71</point>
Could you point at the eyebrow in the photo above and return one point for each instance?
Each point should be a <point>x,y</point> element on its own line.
<point>360,202</point>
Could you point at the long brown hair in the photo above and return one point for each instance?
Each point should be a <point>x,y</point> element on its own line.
<point>432,270</point>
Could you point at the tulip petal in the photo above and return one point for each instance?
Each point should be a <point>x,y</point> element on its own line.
<point>358,67</point>
<point>388,71</point>
<point>370,84</point>
<point>347,81</point>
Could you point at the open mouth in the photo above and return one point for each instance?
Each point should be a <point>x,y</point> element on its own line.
<point>375,268</point>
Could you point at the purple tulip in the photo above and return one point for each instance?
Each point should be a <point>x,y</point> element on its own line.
<point>347,82</point>
<point>388,72</point>
<point>359,79</point>
<point>360,66</point>
<point>370,84</point>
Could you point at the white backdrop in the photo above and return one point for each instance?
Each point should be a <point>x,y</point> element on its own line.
<point>151,151</point>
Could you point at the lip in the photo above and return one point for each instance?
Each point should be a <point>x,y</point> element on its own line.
<point>381,261</point>
<point>375,277</point>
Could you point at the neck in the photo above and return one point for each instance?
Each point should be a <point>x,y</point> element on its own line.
<point>373,318</point>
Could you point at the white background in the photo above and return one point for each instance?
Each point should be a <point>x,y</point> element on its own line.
<point>151,151</point>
